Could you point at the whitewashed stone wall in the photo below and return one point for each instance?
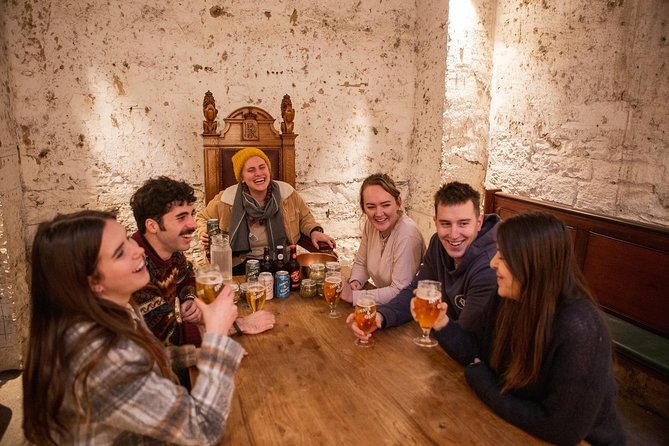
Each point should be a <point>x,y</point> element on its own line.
<point>580,105</point>
<point>109,93</point>
<point>429,106</point>
<point>467,98</point>
<point>13,287</point>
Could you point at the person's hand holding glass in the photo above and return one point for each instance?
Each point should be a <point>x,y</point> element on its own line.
<point>426,310</point>
<point>332,292</point>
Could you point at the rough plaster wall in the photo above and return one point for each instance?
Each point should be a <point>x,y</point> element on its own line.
<point>467,101</point>
<point>580,108</point>
<point>431,29</point>
<point>13,288</point>
<point>108,94</point>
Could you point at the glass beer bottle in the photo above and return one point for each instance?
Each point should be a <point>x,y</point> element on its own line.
<point>266,263</point>
<point>294,269</point>
<point>280,261</point>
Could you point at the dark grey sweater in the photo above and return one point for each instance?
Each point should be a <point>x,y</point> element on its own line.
<point>574,397</point>
<point>466,289</point>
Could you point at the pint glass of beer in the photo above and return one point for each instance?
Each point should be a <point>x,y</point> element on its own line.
<point>428,296</point>
<point>208,283</point>
<point>332,292</point>
<point>256,293</point>
<point>365,317</point>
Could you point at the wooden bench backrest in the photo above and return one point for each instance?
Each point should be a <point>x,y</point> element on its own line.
<point>247,126</point>
<point>625,263</point>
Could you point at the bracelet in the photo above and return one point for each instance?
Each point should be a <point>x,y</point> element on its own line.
<point>238,330</point>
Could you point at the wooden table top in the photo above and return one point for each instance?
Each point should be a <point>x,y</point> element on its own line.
<point>305,382</point>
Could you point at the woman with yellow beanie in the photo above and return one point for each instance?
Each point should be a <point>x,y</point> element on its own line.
<point>259,212</point>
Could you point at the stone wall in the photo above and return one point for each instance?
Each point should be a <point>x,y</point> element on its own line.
<point>580,105</point>
<point>13,287</point>
<point>429,105</point>
<point>110,94</point>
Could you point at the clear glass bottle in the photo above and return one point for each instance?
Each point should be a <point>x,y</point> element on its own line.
<point>221,255</point>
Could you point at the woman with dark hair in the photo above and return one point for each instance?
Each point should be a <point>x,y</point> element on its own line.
<point>94,372</point>
<point>544,361</point>
<point>391,247</point>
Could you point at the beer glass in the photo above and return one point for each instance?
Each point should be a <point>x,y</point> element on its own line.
<point>365,317</point>
<point>428,296</point>
<point>256,293</point>
<point>208,283</point>
<point>332,292</point>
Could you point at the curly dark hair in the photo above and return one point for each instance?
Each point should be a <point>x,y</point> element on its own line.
<point>156,197</point>
<point>457,193</point>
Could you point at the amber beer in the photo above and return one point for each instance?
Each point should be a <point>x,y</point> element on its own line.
<point>365,314</point>
<point>332,289</point>
<point>425,307</point>
<point>208,284</point>
<point>256,294</point>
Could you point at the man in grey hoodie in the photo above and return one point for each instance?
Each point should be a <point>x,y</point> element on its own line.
<point>458,256</point>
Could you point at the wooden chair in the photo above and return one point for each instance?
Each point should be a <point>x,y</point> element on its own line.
<point>247,126</point>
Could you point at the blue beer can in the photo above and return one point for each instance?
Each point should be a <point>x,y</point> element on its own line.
<point>282,284</point>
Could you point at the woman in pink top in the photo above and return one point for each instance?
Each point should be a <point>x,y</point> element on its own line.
<point>391,247</point>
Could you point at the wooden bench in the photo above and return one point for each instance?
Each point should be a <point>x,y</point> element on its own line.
<point>626,264</point>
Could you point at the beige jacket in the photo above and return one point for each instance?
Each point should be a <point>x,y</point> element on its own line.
<point>297,218</point>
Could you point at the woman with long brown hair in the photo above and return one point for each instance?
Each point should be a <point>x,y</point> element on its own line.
<point>544,361</point>
<point>94,372</point>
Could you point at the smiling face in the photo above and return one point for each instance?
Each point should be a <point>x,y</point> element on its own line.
<point>121,269</point>
<point>507,285</point>
<point>256,176</point>
<point>457,227</point>
<point>381,208</point>
<point>175,231</point>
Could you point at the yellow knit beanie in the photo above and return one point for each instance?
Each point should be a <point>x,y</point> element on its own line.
<point>240,158</point>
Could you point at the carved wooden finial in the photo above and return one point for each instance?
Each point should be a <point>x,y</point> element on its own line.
<point>288,114</point>
<point>210,112</point>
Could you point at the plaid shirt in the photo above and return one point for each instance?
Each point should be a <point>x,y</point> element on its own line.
<point>153,409</point>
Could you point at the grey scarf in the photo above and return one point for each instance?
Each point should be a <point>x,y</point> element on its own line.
<point>245,207</point>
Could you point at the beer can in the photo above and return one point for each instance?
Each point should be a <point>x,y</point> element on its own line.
<point>267,279</point>
<point>212,227</point>
<point>252,269</point>
<point>282,284</point>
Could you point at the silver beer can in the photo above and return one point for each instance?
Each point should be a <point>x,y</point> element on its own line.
<point>252,269</point>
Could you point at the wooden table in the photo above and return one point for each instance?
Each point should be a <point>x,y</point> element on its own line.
<point>305,382</point>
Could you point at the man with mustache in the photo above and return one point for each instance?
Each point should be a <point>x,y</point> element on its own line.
<point>163,209</point>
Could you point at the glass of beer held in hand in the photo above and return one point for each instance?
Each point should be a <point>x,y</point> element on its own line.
<point>365,318</point>
<point>425,310</point>
<point>332,292</point>
<point>256,294</point>
<point>208,283</point>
